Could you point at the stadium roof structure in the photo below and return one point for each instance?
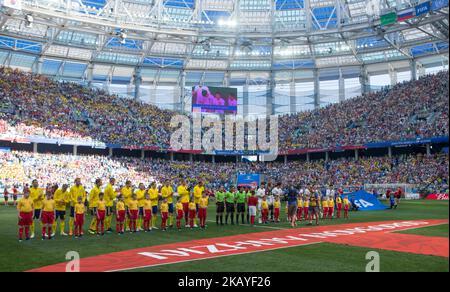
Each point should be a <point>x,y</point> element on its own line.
<point>219,42</point>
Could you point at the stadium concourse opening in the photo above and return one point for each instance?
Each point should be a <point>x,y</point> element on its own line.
<point>352,95</point>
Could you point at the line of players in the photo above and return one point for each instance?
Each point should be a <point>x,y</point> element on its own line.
<point>136,210</point>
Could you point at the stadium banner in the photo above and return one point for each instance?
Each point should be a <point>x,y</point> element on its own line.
<point>366,201</point>
<point>423,8</point>
<point>248,179</point>
<point>240,152</point>
<point>438,4</point>
<point>405,14</point>
<point>439,197</point>
<point>412,196</point>
<point>417,141</point>
<point>388,18</point>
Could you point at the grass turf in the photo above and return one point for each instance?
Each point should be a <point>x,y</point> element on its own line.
<point>438,230</point>
<point>15,256</point>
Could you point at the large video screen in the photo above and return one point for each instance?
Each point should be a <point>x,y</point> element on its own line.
<point>217,100</point>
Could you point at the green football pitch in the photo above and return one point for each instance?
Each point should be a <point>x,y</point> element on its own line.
<point>15,256</point>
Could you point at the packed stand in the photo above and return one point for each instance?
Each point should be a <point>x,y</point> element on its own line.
<point>427,172</point>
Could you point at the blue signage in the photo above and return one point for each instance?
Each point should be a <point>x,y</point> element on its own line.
<point>365,201</point>
<point>423,8</point>
<point>438,4</point>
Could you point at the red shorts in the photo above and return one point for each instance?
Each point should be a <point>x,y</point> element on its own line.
<point>330,210</point>
<point>202,212</point>
<point>305,210</point>
<point>164,215</point>
<point>180,214</point>
<point>121,215</point>
<point>79,219</point>
<point>147,214</point>
<point>134,214</point>
<point>345,208</point>
<point>26,218</point>
<point>48,217</point>
<point>101,215</point>
<point>192,214</point>
<point>339,206</point>
<point>186,208</point>
<point>276,212</point>
<point>325,210</point>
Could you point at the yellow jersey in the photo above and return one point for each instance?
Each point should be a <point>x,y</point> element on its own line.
<point>37,195</point>
<point>203,203</point>
<point>25,205</point>
<point>79,208</point>
<point>306,203</point>
<point>192,206</point>
<point>133,204</point>
<point>277,204</point>
<point>120,206</point>
<point>75,192</point>
<point>179,206</point>
<point>126,193</point>
<point>345,202</point>
<point>153,192</point>
<point>183,193</point>
<point>61,199</point>
<point>93,197</point>
<point>164,207</point>
<point>198,191</point>
<point>101,205</point>
<point>167,193</point>
<point>264,205</point>
<point>147,204</point>
<point>140,197</point>
<point>325,203</point>
<point>48,205</point>
<point>338,200</point>
<point>109,195</point>
<point>299,203</point>
<point>330,204</point>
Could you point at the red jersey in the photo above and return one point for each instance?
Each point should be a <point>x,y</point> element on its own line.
<point>252,201</point>
<point>388,193</point>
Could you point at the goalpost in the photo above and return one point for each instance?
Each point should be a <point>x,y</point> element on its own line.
<point>410,191</point>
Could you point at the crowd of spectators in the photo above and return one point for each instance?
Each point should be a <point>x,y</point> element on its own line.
<point>430,172</point>
<point>408,110</point>
<point>36,105</point>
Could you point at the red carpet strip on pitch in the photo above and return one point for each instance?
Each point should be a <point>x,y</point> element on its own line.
<point>370,234</point>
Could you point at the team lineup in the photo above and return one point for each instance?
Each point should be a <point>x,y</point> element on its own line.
<point>137,209</point>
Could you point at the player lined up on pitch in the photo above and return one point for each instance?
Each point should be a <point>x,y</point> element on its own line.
<point>137,209</point>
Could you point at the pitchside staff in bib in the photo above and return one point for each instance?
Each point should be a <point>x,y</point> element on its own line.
<point>229,205</point>
<point>241,198</point>
<point>220,205</point>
